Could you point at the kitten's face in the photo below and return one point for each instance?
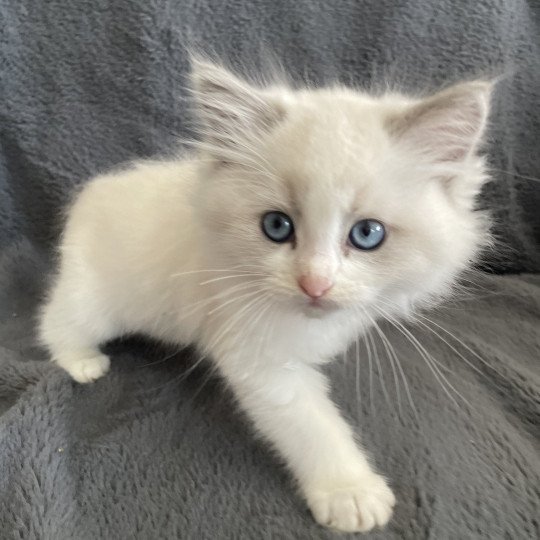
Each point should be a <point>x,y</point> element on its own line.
<point>373,196</point>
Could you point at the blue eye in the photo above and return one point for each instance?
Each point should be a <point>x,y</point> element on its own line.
<point>277,226</point>
<point>367,234</point>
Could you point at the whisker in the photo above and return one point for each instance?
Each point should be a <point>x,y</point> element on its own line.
<point>202,357</point>
<point>357,378</point>
<point>234,320</point>
<point>379,369</point>
<point>262,345</point>
<point>200,304</point>
<point>370,373</point>
<point>200,271</point>
<point>241,297</point>
<point>246,274</point>
<point>430,361</point>
<point>162,360</point>
<point>510,173</point>
<point>392,356</point>
<point>463,344</point>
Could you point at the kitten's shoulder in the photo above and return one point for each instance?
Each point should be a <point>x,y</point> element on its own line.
<point>147,174</point>
<point>138,192</point>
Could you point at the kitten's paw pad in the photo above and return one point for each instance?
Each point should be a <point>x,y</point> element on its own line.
<point>359,508</point>
<point>87,370</point>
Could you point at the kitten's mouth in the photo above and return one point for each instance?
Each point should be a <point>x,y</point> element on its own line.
<point>318,307</point>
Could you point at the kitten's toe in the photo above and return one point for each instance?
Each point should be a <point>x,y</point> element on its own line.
<point>87,370</point>
<point>361,507</point>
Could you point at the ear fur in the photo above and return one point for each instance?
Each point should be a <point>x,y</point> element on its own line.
<point>233,112</point>
<point>448,126</point>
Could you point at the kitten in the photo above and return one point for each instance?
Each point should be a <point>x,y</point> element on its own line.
<point>304,216</point>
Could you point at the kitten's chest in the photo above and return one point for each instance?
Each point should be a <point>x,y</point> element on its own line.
<point>285,337</point>
<point>316,339</point>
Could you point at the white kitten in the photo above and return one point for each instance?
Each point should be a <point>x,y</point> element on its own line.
<point>304,216</point>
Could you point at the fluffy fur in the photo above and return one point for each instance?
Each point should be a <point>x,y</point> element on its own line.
<point>175,249</point>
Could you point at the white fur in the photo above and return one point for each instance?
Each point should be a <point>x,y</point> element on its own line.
<point>175,249</point>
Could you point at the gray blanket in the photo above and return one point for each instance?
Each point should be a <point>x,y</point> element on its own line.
<point>156,450</point>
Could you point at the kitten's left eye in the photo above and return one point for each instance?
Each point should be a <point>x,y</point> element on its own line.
<point>367,234</point>
<point>277,226</point>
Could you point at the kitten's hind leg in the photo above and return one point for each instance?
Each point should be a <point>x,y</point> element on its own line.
<point>72,332</point>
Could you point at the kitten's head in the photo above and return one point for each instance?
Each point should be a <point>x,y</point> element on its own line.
<point>335,199</point>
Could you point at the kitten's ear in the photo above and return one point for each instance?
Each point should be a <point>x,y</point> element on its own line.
<point>233,112</point>
<point>448,126</point>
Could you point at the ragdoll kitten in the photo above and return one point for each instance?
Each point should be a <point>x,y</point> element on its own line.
<point>303,216</point>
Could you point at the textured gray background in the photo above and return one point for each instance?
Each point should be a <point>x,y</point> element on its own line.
<point>150,453</point>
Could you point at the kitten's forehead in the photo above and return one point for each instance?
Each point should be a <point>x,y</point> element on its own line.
<point>327,153</point>
<point>328,134</point>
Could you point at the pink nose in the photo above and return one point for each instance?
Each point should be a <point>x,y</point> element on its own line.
<point>315,286</point>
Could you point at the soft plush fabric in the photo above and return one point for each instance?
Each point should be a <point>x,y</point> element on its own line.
<point>157,451</point>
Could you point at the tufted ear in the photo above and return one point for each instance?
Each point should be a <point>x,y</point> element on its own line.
<point>448,126</point>
<point>233,112</point>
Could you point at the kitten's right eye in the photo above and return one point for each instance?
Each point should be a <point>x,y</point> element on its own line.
<point>277,226</point>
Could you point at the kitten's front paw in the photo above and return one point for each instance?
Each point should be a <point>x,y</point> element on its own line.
<point>359,507</point>
<point>86,370</point>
